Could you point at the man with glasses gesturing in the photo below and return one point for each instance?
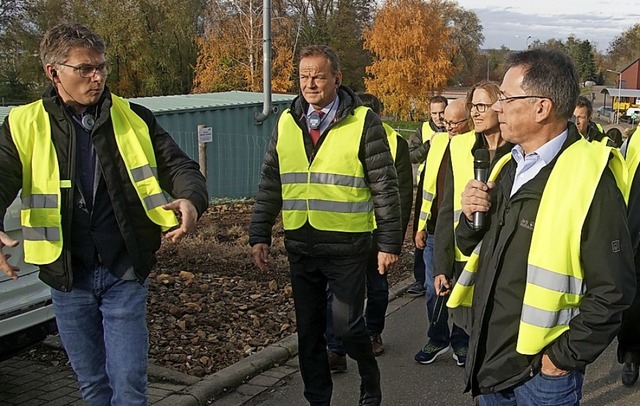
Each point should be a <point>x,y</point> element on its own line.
<point>92,168</point>
<point>551,271</point>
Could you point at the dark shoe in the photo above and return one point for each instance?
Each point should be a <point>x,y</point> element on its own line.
<point>337,362</point>
<point>460,355</point>
<point>629,373</point>
<point>429,353</point>
<point>416,289</point>
<point>376,344</point>
<point>370,395</point>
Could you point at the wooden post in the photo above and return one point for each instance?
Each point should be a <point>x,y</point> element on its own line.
<point>202,154</point>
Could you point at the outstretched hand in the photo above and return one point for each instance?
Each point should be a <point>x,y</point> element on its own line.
<point>8,269</point>
<point>187,216</point>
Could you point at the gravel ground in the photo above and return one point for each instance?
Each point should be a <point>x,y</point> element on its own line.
<point>209,306</point>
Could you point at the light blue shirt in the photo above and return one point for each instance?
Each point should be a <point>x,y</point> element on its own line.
<point>329,114</point>
<point>528,166</point>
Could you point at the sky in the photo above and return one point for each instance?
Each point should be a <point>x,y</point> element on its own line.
<point>517,23</point>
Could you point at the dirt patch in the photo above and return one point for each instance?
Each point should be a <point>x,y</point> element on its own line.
<point>209,306</point>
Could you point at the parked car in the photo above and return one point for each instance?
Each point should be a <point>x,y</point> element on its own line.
<point>26,311</point>
<point>605,113</point>
<point>631,115</point>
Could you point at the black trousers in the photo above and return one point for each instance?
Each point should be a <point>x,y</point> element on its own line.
<point>346,278</point>
<point>629,335</point>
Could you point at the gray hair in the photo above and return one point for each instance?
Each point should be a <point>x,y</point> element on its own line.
<point>59,40</point>
<point>549,73</point>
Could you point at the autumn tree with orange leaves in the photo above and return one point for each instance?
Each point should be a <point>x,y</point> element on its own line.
<point>412,55</point>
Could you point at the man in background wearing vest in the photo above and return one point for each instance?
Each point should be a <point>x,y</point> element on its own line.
<point>438,333</point>
<point>419,145</point>
<point>554,271</point>
<point>92,168</point>
<point>593,132</point>
<point>329,169</point>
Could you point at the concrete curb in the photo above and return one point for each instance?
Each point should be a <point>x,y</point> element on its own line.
<point>207,388</point>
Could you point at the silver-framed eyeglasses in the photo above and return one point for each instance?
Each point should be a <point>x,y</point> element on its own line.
<point>506,99</point>
<point>454,124</point>
<point>88,71</point>
<point>480,107</point>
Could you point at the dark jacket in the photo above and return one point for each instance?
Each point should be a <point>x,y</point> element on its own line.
<point>178,175</point>
<point>379,172</point>
<point>493,363</point>
<point>444,248</point>
<point>595,135</point>
<point>405,182</point>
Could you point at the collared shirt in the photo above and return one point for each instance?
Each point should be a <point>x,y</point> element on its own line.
<point>329,114</point>
<point>529,165</point>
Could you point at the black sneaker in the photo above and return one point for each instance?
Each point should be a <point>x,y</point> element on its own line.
<point>416,289</point>
<point>460,355</point>
<point>429,353</point>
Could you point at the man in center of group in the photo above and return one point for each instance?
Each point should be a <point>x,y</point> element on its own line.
<point>432,194</point>
<point>329,169</point>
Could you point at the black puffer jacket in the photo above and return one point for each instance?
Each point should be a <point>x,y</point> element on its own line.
<point>380,174</point>
<point>178,175</point>
<point>606,254</point>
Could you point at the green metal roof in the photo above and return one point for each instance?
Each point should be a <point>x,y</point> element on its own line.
<point>206,101</point>
<point>4,112</point>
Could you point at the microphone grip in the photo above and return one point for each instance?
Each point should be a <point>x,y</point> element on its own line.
<point>481,174</point>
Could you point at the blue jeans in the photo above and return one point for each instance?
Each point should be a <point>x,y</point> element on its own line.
<point>541,390</point>
<point>102,324</point>
<point>377,303</point>
<point>438,332</point>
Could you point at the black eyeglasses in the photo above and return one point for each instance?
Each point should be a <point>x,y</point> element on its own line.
<point>480,107</point>
<point>453,123</point>
<point>87,71</point>
<point>504,99</point>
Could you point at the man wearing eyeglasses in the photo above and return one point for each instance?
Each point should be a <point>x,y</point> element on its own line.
<point>551,271</point>
<point>440,337</point>
<point>92,168</point>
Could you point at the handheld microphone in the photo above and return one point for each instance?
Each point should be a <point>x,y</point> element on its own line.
<point>480,172</point>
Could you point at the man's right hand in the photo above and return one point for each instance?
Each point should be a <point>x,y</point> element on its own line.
<point>442,285</point>
<point>8,269</point>
<point>475,198</point>
<point>421,239</point>
<point>260,254</point>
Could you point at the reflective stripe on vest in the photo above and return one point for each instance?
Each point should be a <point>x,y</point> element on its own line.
<point>41,184</point>
<point>462,165</point>
<point>555,287</point>
<point>331,193</point>
<point>426,132</point>
<point>136,150</point>
<point>40,214</point>
<point>439,144</point>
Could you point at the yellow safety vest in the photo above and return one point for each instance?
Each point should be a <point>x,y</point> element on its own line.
<point>392,137</point>
<point>331,193</point>
<point>40,216</point>
<point>633,155</point>
<point>439,144</point>
<point>426,133</point>
<point>555,277</point>
<point>462,165</point>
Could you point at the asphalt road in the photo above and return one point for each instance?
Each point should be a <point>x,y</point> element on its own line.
<point>405,382</point>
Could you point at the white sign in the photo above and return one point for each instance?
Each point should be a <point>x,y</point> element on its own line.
<point>205,134</point>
